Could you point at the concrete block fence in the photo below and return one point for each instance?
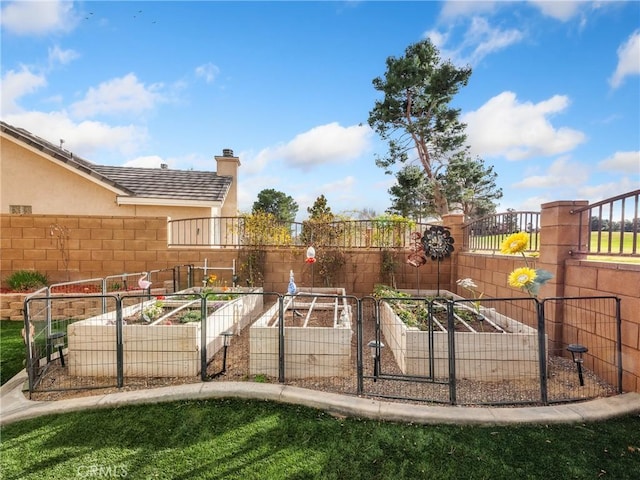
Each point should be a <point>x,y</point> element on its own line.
<point>99,246</point>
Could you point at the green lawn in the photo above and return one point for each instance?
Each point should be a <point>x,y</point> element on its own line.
<point>239,439</point>
<point>12,349</point>
<point>627,245</point>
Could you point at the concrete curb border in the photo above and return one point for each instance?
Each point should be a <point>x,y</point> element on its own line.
<point>15,407</point>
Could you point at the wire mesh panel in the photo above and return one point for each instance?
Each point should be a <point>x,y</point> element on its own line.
<point>160,337</point>
<point>54,351</point>
<point>307,339</point>
<point>174,338</point>
<point>585,357</point>
<point>427,349</point>
<point>459,351</point>
<point>406,351</point>
<point>496,350</point>
<point>229,352</point>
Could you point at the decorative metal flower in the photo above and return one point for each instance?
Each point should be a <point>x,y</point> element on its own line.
<point>437,242</point>
<point>470,285</point>
<point>416,258</point>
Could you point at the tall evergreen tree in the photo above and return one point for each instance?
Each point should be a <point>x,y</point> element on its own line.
<point>470,184</point>
<point>414,114</point>
<point>411,196</point>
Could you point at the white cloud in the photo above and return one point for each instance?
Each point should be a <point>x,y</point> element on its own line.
<point>529,204</point>
<point>119,95</point>
<point>16,84</point>
<point>325,144</point>
<point>458,8</point>
<point>561,173</point>
<point>488,40</point>
<point>595,193</point>
<point>150,161</point>
<point>83,138</point>
<point>504,126</point>
<point>563,10</point>
<point>60,56</point>
<point>479,40</point>
<point>208,71</point>
<point>341,194</point>
<point>624,162</point>
<point>38,18</point>
<point>628,60</point>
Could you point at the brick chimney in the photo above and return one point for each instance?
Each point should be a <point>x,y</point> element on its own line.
<point>227,165</point>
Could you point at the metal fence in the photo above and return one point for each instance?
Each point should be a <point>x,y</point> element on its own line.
<point>251,232</point>
<point>589,339</point>
<point>488,233</point>
<point>610,227</point>
<point>498,351</point>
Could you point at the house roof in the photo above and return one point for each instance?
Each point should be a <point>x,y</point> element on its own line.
<point>137,183</point>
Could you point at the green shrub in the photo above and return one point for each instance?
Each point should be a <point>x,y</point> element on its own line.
<point>25,280</point>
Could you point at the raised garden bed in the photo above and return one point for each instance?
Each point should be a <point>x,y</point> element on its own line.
<point>495,348</point>
<point>317,339</point>
<point>165,346</point>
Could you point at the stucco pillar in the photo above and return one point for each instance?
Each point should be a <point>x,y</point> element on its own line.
<point>558,236</point>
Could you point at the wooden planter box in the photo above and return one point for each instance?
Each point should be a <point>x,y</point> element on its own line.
<point>478,356</point>
<point>310,351</point>
<point>154,350</point>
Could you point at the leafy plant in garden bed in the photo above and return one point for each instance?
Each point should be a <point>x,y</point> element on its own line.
<point>415,312</point>
<point>159,313</point>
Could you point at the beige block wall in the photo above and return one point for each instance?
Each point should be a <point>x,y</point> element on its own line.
<point>99,246</point>
<point>590,278</point>
<point>582,278</point>
<point>102,246</point>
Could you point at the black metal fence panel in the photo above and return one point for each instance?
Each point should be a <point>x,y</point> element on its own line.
<point>442,350</point>
<point>54,352</point>
<point>586,360</point>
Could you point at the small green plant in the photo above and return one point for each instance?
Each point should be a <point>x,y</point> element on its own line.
<point>25,280</point>
<point>191,316</point>
<point>260,378</point>
<point>154,311</point>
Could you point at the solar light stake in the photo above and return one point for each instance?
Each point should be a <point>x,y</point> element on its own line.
<point>226,337</point>
<point>577,351</point>
<point>375,347</point>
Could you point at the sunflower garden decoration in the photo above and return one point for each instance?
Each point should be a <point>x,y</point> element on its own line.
<point>526,278</point>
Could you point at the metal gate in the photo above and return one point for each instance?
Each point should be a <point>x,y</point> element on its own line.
<point>401,366</point>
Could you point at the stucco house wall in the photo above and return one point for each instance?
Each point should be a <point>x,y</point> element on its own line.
<point>48,180</point>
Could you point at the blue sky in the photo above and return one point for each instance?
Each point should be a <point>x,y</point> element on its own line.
<point>553,103</point>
